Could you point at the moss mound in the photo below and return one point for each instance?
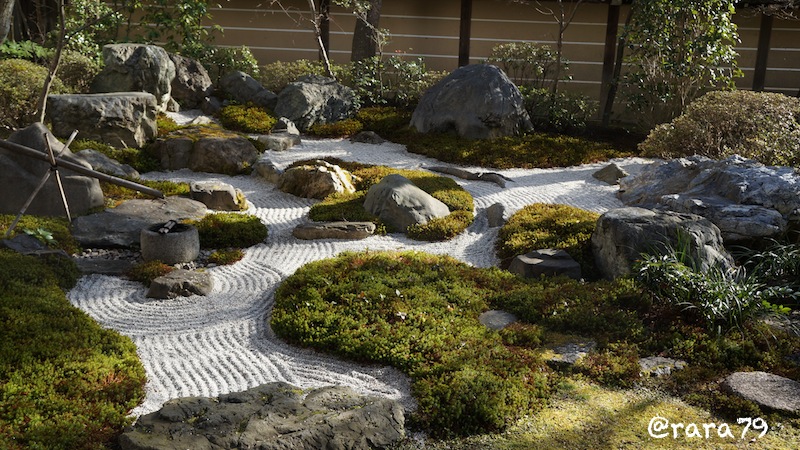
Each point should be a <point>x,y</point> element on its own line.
<point>247,118</point>
<point>225,230</point>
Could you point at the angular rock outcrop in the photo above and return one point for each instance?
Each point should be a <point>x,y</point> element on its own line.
<point>745,199</point>
<point>610,174</point>
<point>122,119</point>
<point>217,195</point>
<point>181,283</point>
<point>315,99</point>
<point>273,416</point>
<point>400,204</point>
<point>476,101</point>
<point>267,169</point>
<point>191,85</point>
<point>243,88</point>
<point>226,154</point>
<point>317,181</point>
<point>136,68</point>
<point>20,175</point>
<point>623,235</point>
<point>102,163</point>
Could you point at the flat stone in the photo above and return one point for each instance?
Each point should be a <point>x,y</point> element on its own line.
<point>284,125</point>
<point>765,389</point>
<point>280,141</point>
<point>217,195</point>
<point>610,174</point>
<point>181,283</point>
<point>368,137</point>
<point>495,214</point>
<point>548,262</point>
<point>497,319</point>
<point>23,243</point>
<point>571,352</point>
<point>657,366</point>
<point>334,230</point>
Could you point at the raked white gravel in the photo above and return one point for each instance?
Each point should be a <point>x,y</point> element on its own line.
<point>207,346</point>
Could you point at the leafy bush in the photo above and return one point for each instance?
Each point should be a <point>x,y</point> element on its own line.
<point>225,230</point>
<point>759,125</point>
<point>560,112</point>
<point>27,50</point>
<point>247,118</point>
<point>77,71</point>
<point>65,381</point>
<point>342,128</point>
<point>526,63</point>
<point>418,313</point>
<point>20,85</point>
<point>542,225</point>
<point>148,271</point>
<point>275,76</point>
<point>393,80</point>
<point>220,61</point>
<point>384,120</point>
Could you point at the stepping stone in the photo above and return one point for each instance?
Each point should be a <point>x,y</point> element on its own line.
<point>657,366</point>
<point>497,319</point>
<point>548,262</point>
<point>181,283</point>
<point>765,389</point>
<point>217,195</point>
<point>571,352</point>
<point>279,142</point>
<point>610,174</point>
<point>334,230</point>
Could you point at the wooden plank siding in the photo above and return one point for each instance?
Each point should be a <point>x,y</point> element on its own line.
<point>430,29</point>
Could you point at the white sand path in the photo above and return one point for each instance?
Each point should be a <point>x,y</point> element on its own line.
<point>207,346</point>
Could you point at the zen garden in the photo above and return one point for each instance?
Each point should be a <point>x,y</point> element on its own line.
<point>202,250</point>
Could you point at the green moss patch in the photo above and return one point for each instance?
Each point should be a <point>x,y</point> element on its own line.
<point>57,227</point>
<point>342,128</point>
<point>247,118</point>
<point>226,230</point>
<point>65,382</point>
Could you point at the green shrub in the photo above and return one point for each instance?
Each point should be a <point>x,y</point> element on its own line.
<point>27,50</point>
<point>526,63</point>
<point>560,112</point>
<point>617,365</point>
<point>220,61</point>
<point>384,120</point>
<point>758,125</point>
<point>148,271</point>
<point>225,230</point>
<point>247,118</point>
<point>21,83</point>
<point>419,313</point>
<point>226,256</point>
<point>65,381</point>
<point>77,71</point>
<point>541,225</point>
<point>392,80</point>
<point>58,227</point>
<point>340,129</point>
<point>275,76</point>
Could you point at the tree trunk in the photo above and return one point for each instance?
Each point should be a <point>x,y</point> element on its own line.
<point>365,35</point>
<point>56,61</point>
<point>6,15</point>
<point>608,105</point>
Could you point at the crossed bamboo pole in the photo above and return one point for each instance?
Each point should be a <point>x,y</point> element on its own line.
<point>52,158</point>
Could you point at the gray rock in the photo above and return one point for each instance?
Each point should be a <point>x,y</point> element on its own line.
<point>659,366</point>
<point>217,195</point>
<point>569,353</point>
<point>317,181</point>
<point>180,245</point>
<point>334,230</point>
<point>623,235</point>
<point>548,262</point>
<point>102,163</point>
<point>21,175</point>
<point>279,141</point>
<point>765,389</point>
<point>211,105</point>
<point>123,119</point>
<point>284,125</point>
<point>136,68</point>
<point>400,204</point>
<point>23,243</point>
<point>496,215</point>
<point>496,319</point>
<point>314,99</point>
<point>476,101</point>
<point>368,137</point>
<point>191,85</point>
<point>268,170</point>
<point>121,226</point>
<point>273,416</point>
<point>745,199</point>
<point>229,155</point>
<point>243,88</point>
<point>181,283</point>
<point>610,174</point>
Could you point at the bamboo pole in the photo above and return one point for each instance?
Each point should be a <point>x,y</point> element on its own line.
<point>27,151</point>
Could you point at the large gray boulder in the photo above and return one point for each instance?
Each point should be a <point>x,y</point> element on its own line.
<point>243,88</point>
<point>315,99</point>
<point>476,101</point>
<point>316,181</point>
<point>273,416</point>
<point>191,85</point>
<point>21,174</point>
<point>124,119</point>
<point>623,235</point>
<point>400,204</point>
<point>136,68</point>
<point>745,199</point>
<point>231,154</point>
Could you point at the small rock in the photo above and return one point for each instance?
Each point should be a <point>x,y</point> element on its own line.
<point>334,230</point>
<point>181,283</point>
<point>368,137</point>
<point>23,243</point>
<point>316,181</point>
<point>284,125</point>
<point>610,174</point>
<point>103,163</point>
<point>279,141</point>
<point>765,389</point>
<point>570,353</point>
<point>268,170</point>
<point>496,319</point>
<point>548,262</point>
<point>217,195</point>
<point>657,366</point>
<point>495,215</point>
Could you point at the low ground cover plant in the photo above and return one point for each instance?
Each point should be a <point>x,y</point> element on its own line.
<point>225,230</point>
<point>247,118</point>
<point>65,382</point>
